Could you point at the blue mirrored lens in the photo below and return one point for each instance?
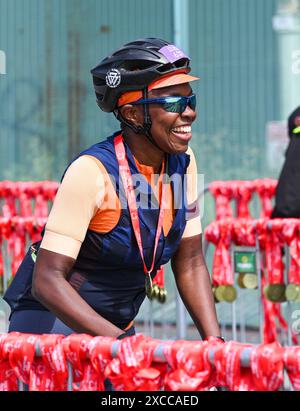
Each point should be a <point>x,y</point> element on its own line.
<point>192,102</point>
<point>179,104</point>
<point>176,104</point>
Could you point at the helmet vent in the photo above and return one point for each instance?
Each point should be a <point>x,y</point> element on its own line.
<point>136,65</point>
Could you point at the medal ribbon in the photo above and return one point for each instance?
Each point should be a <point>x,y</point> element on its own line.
<point>276,265</point>
<point>9,193</point>
<point>130,195</point>
<point>220,234</point>
<point>134,369</point>
<point>159,278</point>
<point>76,348</point>
<point>267,367</point>
<point>244,192</point>
<point>189,368</point>
<point>229,371</point>
<point>222,192</point>
<point>291,358</point>
<point>8,378</point>
<point>54,358</point>
<point>22,355</point>
<point>271,242</point>
<point>212,234</point>
<point>24,189</point>
<point>100,356</point>
<point>266,190</point>
<point>290,233</point>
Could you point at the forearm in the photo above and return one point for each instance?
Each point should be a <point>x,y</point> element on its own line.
<point>61,299</point>
<point>194,285</point>
<point>51,288</point>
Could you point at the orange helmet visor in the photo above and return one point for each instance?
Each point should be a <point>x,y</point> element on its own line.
<point>172,79</point>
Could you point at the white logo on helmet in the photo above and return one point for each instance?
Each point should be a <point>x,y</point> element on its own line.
<point>113,78</point>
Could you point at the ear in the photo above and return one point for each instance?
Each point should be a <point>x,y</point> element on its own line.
<point>133,114</point>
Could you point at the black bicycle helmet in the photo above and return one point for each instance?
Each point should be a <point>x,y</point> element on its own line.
<point>133,67</point>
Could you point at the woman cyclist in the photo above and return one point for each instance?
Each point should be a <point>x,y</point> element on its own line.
<point>122,209</point>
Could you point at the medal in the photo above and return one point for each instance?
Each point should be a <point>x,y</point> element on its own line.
<point>213,290</point>
<point>229,293</point>
<point>240,280</point>
<point>155,291</point>
<point>162,295</point>
<point>224,293</point>
<point>149,287</point>
<point>247,280</point>
<point>275,293</point>
<point>292,292</point>
<point>250,281</point>
<point>219,293</point>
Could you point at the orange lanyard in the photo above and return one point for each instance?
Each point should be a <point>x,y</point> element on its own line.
<point>130,196</point>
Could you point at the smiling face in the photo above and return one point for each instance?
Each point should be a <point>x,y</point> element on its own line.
<point>171,131</point>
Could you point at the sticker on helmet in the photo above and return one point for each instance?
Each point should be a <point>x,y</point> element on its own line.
<point>172,53</point>
<point>113,78</point>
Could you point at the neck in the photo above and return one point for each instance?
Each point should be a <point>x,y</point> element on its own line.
<point>143,150</point>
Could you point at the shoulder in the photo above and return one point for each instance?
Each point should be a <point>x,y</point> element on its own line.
<point>84,167</point>
<point>190,151</point>
<point>192,168</point>
<point>85,176</point>
<point>102,151</point>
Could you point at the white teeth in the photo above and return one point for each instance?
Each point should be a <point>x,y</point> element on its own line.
<point>186,129</point>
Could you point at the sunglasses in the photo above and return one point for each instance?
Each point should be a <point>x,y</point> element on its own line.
<point>172,104</point>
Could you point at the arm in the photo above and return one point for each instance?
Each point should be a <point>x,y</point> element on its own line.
<point>51,288</point>
<point>76,201</point>
<point>189,267</point>
<point>194,285</point>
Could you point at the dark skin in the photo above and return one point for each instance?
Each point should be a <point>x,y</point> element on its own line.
<point>51,288</point>
<point>50,285</point>
<point>163,123</point>
<point>194,285</point>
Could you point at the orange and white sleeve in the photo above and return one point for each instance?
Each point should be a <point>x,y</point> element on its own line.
<point>77,200</point>
<point>193,226</point>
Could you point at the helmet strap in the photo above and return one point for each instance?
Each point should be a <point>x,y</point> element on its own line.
<point>136,129</point>
<point>147,119</point>
<point>146,127</point>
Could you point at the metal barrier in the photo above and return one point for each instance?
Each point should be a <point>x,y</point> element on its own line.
<point>158,356</point>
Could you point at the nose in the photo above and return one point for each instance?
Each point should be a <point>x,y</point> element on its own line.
<point>189,114</point>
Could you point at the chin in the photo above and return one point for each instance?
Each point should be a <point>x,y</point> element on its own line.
<point>179,149</point>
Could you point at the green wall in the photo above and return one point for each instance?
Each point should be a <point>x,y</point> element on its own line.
<point>47,106</point>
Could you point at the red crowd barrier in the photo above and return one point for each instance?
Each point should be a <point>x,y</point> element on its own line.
<point>272,236</point>
<point>80,362</point>
<point>28,198</point>
<point>17,231</point>
<point>243,231</point>
<point>241,193</point>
